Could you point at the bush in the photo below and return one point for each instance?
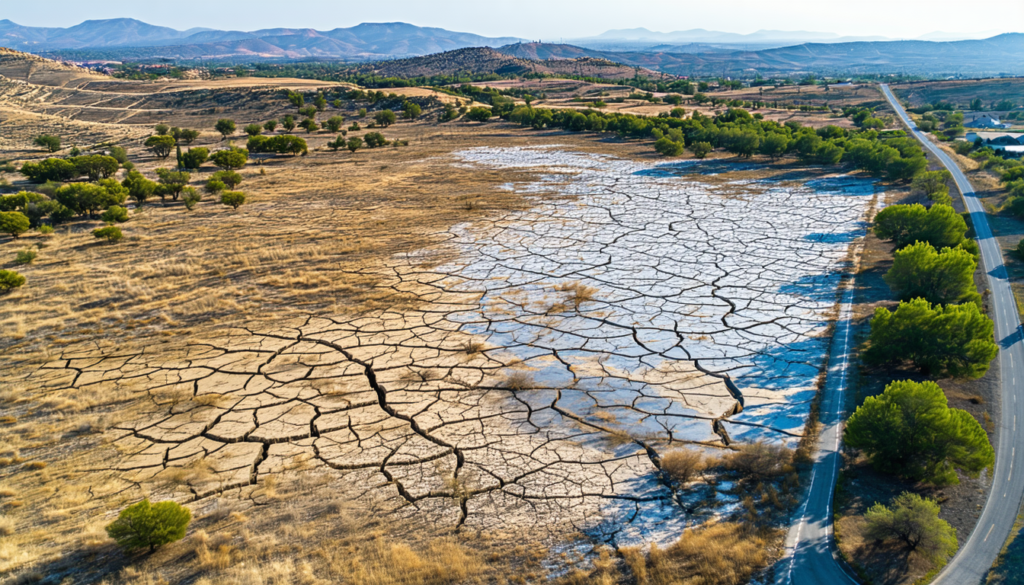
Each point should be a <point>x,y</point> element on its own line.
<point>172,182</point>
<point>909,430</point>
<point>190,197</point>
<point>270,125</point>
<point>14,223</point>
<point>95,166</point>
<point>88,198</point>
<point>213,186</point>
<point>143,525</point>
<point>115,214</point>
<point>253,129</point>
<point>161,145</point>
<point>354,144</point>
<point>233,198</point>
<point>232,158</point>
<point>919,271</point>
<point>759,461</point>
<point>411,111</point>
<point>375,139</point>
<point>110,233</point>
<point>10,280</point>
<point>334,123</point>
<point>479,114</point>
<point>951,340</point>
<point>162,129</point>
<point>139,187</point>
<point>119,154</point>
<point>49,142</point>
<point>933,185</point>
<point>46,229</point>
<point>962,147</point>
<point>195,157</point>
<point>913,522</point>
<point>682,465</point>
<point>51,169</point>
<point>25,256</point>
<point>229,178</point>
<point>665,146</point>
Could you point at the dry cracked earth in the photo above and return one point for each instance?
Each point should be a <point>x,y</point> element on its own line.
<point>555,355</point>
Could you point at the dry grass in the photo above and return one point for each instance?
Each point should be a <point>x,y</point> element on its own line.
<point>518,380</point>
<point>760,461</point>
<point>682,464</point>
<point>579,293</point>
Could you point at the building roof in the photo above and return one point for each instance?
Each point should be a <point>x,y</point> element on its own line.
<point>993,135</point>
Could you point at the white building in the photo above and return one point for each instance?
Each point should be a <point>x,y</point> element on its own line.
<point>985,121</point>
<point>1005,141</point>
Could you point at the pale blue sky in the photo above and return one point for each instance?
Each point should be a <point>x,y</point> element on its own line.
<point>548,19</point>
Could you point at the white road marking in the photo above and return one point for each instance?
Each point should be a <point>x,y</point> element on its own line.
<point>988,533</point>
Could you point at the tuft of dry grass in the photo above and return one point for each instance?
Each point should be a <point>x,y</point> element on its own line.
<point>579,293</point>
<point>682,464</point>
<point>760,461</point>
<point>517,380</point>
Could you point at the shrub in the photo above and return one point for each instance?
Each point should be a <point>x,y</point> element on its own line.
<point>10,280</point>
<point>225,126</point>
<point>13,223</point>
<point>759,461</point>
<point>25,256</point>
<point>213,186</point>
<point>950,340</point>
<point>190,197</point>
<point>253,129</point>
<point>161,145</point>
<point>411,111</point>
<point>334,123</point>
<point>139,187</point>
<point>962,147</point>
<point>51,169</point>
<point>110,233</point>
<point>187,136</point>
<point>338,142</point>
<point>310,125</point>
<point>374,139</point>
<point>95,166</point>
<point>479,114</point>
<point>115,214</point>
<point>162,129</point>
<point>47,141</point>
<point>233,198</point>
<point>143,525</point>
<point>909,430</point>
<point>232,158</point>
<point>665,146</point>
<point>682,465</point>
<point>354,144</point>
<point>229,178</point>
<point>270,125</point>
<point>172,182</point>
<point>354,127</point>
<point>119,154</point>
<point>46,229</point>
<point>288,122</point>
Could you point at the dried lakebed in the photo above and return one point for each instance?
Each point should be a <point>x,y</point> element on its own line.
<point>554,356</point>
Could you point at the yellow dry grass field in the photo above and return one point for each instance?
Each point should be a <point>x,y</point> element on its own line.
<point>310,240</point>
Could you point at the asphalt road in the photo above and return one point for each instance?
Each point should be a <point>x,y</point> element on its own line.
<point>809,558</point>
<point>976,556</point>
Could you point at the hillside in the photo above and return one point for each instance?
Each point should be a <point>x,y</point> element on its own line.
<point>484,60</point>
<point>33,69</point>
<point>129,38</point>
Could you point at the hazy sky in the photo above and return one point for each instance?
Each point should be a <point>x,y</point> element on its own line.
<point>548,19</point>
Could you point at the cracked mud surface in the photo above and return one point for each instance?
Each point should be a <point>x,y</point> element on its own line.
<point>556,354</point>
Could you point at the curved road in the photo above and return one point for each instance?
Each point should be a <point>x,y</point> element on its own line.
<point>809,555</point>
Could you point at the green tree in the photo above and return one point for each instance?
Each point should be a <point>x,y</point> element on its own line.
<point>119,154</point>
<point>334,123</point>
<point>411,111</point>
<point>296,99</point>
<point>110,233</point>
<point>187,136</point>
<point>225,126</point>
<point>162,129</point>
<point>49,142</point>
<point>310,125</point>
<point>665,146</point>
<point>213,186</point>
<point>909,430</point>
<point>977,105</point>
<point>195,157</point>
<point>913,522</point>
<point>229,178</point>
<point>362,112</point>
<point>173,182</point>
<point>160,145</point>
<point>945,277</point>
<point>14,223</point>
<point>701,149</point>
<point>934,185</point>
<point>270,125</point>
<point>944,340</point>
<point>385,118</point>
<point>143,525</point>
<point>10,280</point>
<point>88,198</point>
<point>940,225</point>
<point>354,144</point>
<point>115,214</point>
<point>308,112</point>
<point>233,198</point>
<point>479,114</point>
<point>286,144</point>
<point>375,139</point>
<point>231,159</point>
<point>253,129</point>
<point>338,142</point>
<point>320,102</point>
<point>288,122</point>
<point>96,166</point>
<point>774,145</point>
<point>139,187</point>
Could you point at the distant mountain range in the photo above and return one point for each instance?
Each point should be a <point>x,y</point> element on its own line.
<point>364,41</point>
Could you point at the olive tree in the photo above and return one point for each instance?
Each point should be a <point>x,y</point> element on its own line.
<point>225,126</point>
<point>161,145</point>
<point>385,118</point>
<point>49,142</point>
<point>231,159</point>
<point>233,198</point>
<point>173,182</point>
<point>913,522</point>
<point>253,129</point>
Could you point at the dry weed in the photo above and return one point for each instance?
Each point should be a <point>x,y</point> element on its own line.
<point>682,464</point>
